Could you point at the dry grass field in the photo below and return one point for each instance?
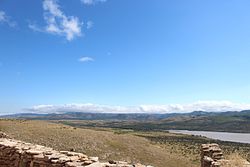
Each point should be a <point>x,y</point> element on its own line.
<point>160,149</point>
<point>106,144</point>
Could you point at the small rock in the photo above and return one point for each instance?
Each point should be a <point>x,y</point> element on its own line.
<point>94,159</point>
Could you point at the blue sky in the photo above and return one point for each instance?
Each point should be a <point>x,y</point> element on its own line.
<point>121,53</point>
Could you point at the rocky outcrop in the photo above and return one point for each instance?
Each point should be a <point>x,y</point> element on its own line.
<point>14,153</point>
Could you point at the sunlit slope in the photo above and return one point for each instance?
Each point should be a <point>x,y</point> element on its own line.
<point>104,144</point>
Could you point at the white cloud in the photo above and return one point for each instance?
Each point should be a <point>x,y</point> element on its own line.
<point>85,59</point>
<point>90,24</point>
<point>6,19</point>
<point>207,106</point>
<point>2,16</point>
<point>92,2</point>
<point>58,23</point>
<point>34,27</point>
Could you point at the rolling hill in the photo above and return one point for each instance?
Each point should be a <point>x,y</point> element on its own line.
<point>197,120</point>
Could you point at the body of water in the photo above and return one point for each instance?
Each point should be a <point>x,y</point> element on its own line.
<point>224,136</point>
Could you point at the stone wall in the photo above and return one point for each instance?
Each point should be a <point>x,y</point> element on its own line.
<point>14,153</point>
<point>212,156</point>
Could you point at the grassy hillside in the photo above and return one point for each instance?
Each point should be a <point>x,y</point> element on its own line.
<point>160,149</point>
<point>106,144</point>
<point>223,123</point>
<point>184,145</point>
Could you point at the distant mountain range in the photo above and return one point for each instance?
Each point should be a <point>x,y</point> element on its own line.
<point>232,121</point>
<point>91,116</point>
<point>123,116</point>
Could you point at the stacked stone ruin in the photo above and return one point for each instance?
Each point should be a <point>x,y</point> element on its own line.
<point>212,156</point>
<point>15,153</point>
